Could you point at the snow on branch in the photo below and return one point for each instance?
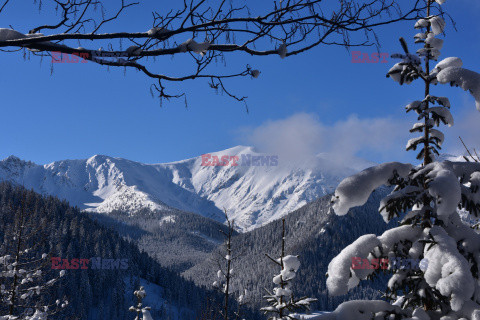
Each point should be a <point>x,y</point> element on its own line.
<point>427,200</point>
<point>466,79</point>
<point>282,300</point>
<point>341,277</point>
<point>391,238</point>
<point>140,294</point>
<point>448,271</point>
<point>207,31</point>
<point>443,185</point>
<point>363,310</point>
<point>355,190</point>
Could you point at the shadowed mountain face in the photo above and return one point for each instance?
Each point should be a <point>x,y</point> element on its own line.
<point>166,209</point>
<point>104,184</point>
<point>176,239</point>
<point>315,234</point>
<point>53,227</point>
<point>253,192</point>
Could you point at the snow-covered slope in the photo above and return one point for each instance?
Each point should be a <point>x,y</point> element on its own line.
<point>252,195</point>
<point>104,184</point>
<point>256,195</point>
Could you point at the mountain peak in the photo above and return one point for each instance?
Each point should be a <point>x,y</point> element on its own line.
<point>15,161</point>
<point>236,150</point>
<point>253,194</point>
<point>98,158</point>
<point>450,157</point>
<point>12,158</point>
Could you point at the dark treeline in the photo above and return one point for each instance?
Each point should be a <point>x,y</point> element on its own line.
<point>63,231</point>
<point>176,239</point>
<point>315,234</point>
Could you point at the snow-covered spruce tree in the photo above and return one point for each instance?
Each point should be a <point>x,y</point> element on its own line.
<point>282,301</point>
<point>139,308</point>
<point>225,275</point>
<point>23,284</point>
<point>425,199</point>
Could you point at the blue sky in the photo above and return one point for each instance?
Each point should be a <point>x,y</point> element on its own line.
<point>315,102</point>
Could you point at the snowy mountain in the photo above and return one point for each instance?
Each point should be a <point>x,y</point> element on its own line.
<point>256,195</point>
<point>103,184</point>
<point>253,193</point>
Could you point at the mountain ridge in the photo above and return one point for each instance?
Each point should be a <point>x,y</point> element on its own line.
<point>253,195</point>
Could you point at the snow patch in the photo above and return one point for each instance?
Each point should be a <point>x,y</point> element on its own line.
<point>167,220</point>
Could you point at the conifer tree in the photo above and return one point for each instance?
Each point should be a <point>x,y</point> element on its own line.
<point>139,308</point>
<point>225,275</point>
<point>23,283</point>
<point>424,199</point>
<point>282,300</point>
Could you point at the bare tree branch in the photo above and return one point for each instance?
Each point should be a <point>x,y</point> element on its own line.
<point>207,30</point>
<point>3,5</point>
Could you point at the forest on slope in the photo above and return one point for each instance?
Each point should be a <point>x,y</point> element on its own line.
<point>66,232</point>
<point>315,234</point>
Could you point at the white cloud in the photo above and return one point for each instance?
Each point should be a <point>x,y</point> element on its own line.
<point>304,135</point>
<point>467,126</point>
<point>380,139</point>
<point>300,134</point>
